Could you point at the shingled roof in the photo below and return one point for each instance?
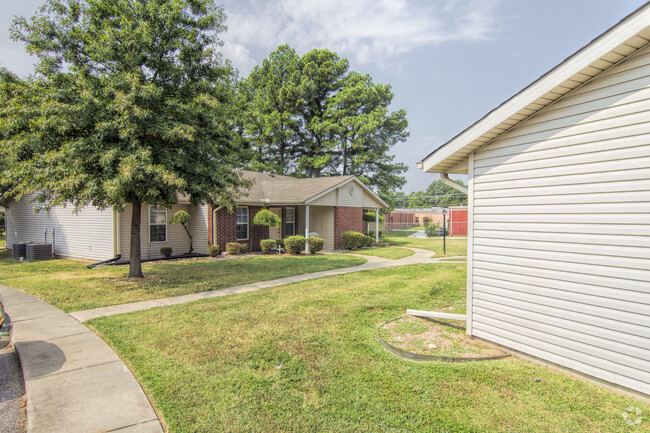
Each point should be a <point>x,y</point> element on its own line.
<point>277,189</point>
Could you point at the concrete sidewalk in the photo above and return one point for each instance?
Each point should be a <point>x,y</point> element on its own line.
<point>74,382</point>
<point>421,256</point>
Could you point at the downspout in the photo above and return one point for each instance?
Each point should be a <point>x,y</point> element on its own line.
<point>445,178</point>
<point>214,225</point>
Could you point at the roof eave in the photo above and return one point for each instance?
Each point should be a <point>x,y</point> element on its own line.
<point>449,155</point>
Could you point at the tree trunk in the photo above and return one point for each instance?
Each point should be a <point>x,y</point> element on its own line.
<point>135,267</point>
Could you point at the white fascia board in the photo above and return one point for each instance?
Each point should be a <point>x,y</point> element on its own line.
<point>604,44</point>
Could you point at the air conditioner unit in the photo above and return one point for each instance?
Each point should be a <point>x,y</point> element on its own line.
<point>38,251</point>
<point>18,250</point>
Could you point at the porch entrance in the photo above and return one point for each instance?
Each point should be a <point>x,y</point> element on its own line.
<point>276,232</point>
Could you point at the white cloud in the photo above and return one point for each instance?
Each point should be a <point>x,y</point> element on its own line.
<point>368,31</point>
<point>239,55</point>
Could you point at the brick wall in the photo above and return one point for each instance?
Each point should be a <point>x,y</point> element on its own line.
<point>346,219</point>
<point>227,229</point>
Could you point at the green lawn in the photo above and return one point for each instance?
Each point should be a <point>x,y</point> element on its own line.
<point>455,247</point>
<point>304,358</point>
<point>392,253</point>
<point>70,286</point>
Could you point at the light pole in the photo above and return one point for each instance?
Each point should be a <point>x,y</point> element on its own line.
<point>444,232</point>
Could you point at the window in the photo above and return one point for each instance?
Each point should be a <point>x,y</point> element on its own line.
<point>290,221</point>
<point>242,223</point>
<point>417,219</point>
<point>157,224</point>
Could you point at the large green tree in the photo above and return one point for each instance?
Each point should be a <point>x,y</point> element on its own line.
<point>312,116</point>
<point>270,99</point>
<point>134,107</point>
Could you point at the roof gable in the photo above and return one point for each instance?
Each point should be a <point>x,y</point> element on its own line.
<point>273,188</point>
<point>609,49</point>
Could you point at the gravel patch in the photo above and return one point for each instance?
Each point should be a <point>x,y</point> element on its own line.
<point>12,393</point>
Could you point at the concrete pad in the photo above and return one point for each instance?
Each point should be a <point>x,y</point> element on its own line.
<point>15,297</point>
<point>29,310</point>
<point>46,327</point>
<point>68,353</point>
<point>92,399</point>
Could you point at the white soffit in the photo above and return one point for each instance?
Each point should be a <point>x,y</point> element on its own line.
<point>616,44</point>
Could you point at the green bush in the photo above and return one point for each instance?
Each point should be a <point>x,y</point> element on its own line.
<point>368,241</point>
<point>315,244</point>
<point>433,229</point>
<point>267,245</point>
<point>354,240</point>
<point>243,248</point>
<point>213,250</point>
<point>370,217</point>
<point>266,218</point>
<point>166,252</point>
<point>295,244</point>
<point>371,233</point>
<point>233,248</point>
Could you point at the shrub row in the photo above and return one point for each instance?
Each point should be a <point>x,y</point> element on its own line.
<point>356,240</point>
<point>234,248</point>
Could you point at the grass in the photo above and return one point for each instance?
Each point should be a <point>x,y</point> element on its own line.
<point>455,247</point>
<point>70,286</point>
<point>304,357</point>
<point>392,253</point>
<point>3,242</point>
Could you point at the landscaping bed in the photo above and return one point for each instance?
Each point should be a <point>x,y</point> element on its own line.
<point>435,338</point>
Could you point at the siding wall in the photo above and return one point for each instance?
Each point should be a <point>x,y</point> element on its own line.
<point>560,208</point>
<point>350,200</point>
<point>88,234</point>
<point>177,239</point>
<point>199,228</point>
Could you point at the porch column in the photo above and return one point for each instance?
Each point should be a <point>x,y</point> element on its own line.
<point>376,225</point>
<point>307,228</point>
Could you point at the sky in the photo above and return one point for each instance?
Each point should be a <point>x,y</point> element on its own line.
<point>449,62</point>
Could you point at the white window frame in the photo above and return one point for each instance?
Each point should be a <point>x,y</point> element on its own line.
<point>293,222</point>
<point>149,224</point>
<point>247,223</point>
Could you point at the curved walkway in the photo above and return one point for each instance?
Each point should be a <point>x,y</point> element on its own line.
<point>373,262</point>
<point>75,383</point>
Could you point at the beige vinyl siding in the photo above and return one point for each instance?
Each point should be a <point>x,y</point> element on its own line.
<point>328,228</point>
<point>199,228</point>
<point>351,200</point>
<point>177,239</point>
<point>370,203</point>
<point>87,234</point>
<point>560,260</point>
<point>328,199</point>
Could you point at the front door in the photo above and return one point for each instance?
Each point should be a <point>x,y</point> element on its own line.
<point>276,232</point>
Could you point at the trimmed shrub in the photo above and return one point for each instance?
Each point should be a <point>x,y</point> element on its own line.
<point>368,241</point>
<point>233,248</point>
<point>354,240</point>
<point>267,245</point>
<point>370,217</point>
<point>431,230</point>
<point>213,250</point>
<point>243,249</point>
<point>295,244</point>
<point>266,218</point>
<point>315,244</point>
<point>166,252</point>
<point>371,233</point>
